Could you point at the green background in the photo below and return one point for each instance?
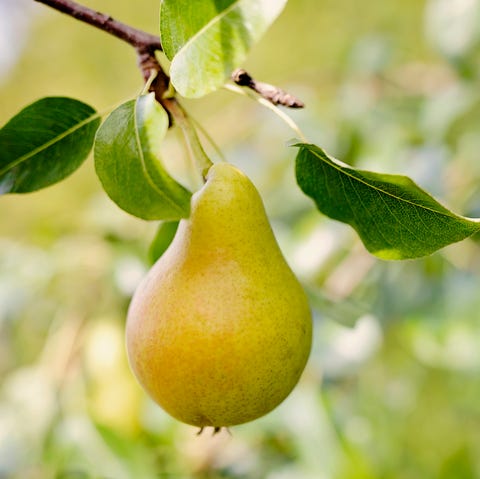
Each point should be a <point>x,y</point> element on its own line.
<point>392,388</point>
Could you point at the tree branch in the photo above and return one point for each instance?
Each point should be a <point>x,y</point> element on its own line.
<point>137,38</point>
<point>146,45</point>
<point>273,94</point>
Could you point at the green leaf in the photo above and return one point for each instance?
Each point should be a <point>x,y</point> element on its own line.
<point>44,143</point>
<point>207,40</point>
<point>127,162</point>
<point>164,236</point>
<point>394,217</point>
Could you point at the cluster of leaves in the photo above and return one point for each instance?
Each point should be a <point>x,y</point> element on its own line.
<point>49,139</point>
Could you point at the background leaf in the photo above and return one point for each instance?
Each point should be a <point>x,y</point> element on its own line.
<point>394,217</point>
<point>44,143</point>
<point>126,161</point>
<point>207,40</point>
<point>163,237</point>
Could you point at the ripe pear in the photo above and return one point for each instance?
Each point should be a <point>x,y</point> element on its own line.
<point>219,331</point>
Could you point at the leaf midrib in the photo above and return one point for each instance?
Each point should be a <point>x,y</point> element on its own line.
<point>380,190</point>
<point>149,179</point>
<point>48,144</point>
<point>214,20</point>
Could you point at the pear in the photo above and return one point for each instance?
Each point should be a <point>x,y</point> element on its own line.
<point>219,331</point>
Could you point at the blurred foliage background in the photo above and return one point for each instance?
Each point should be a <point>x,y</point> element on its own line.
<point>392,388</point>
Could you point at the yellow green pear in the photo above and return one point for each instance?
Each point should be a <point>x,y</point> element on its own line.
<point>219,331</point>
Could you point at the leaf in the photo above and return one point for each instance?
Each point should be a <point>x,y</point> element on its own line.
<point>207,40</point>
<point>44,143</point>
<point>394,217</point>
<point>126,161</point>
<point>164,236</point>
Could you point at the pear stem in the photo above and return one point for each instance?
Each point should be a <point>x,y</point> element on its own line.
<point>194,145</point>
<point>207,137</point>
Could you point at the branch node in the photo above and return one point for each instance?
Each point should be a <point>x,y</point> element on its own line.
<point>144,43</point>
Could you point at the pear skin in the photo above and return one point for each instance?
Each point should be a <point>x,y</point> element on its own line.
<point>219,331</point>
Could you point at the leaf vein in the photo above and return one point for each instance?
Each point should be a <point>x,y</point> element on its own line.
<point>338,168</point>
<point>207,26</point>
<point>148,177</point>
<point>48,144</point>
